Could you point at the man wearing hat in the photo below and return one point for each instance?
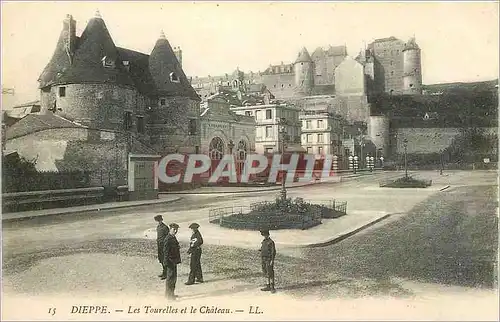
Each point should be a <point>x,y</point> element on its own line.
<point>172,257</point>
<point>268,253</point>
<point>161,233</point>
<point>195,251</point>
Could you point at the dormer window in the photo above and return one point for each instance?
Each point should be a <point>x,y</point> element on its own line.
<point>126,64</point>
<point>174,78</point>
<point>163,102</point>
<point>107,62</point>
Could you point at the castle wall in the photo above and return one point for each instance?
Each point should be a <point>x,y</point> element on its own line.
<point>427,140</point>
<point>354,108</point>
<point>281,85</point>
<point>69,149</point>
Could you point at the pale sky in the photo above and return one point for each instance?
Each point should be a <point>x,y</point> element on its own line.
<point>459,40</point>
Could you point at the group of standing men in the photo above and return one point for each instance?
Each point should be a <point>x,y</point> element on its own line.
<point>169,256</point>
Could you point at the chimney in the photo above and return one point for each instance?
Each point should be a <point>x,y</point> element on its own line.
<point>178,54</point>
<point>69,36</point>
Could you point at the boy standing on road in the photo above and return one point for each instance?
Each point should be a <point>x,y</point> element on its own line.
<point>161,233</point>
<point>172,257</point>
<point>268,253</point>
<point>195,251</point>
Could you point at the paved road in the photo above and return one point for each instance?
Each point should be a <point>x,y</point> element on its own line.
<point>446,239</point>
<point>45,232</point>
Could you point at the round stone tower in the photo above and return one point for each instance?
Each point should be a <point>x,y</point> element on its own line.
<point>304,73</point>
<point>412,70</point>
<point>378,130</point>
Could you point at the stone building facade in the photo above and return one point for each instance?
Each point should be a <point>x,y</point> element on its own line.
<point>267,127</point>
<point>225,132</point>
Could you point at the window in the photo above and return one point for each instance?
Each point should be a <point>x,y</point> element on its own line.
<point>289,85</point>
<point>269,131</point>
<point>309,138</point>
<point>309,150</point>
<point>163,102</point>
<point>127,120</point>
<point>411,85</point>
<point>62,91</point>
<point>391,62</point>
<point>320,150</point>
<point>107,62</point>
<point>197,150</point>
<point>320,124</point>
<point>269,150</point>
<point>269,114</point>
<point>257,115</point>
<point>140,124</point>
<point>308,124</point>
<point>392,73</point>
<point>320,138</point>
<point>282,85</point>
<point>192,127</point>
<point>248,113</point>
<point>174,78</point>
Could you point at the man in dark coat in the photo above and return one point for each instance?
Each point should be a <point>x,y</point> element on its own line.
<point>161,233</point>
<point>268,253</point>
<point>172,257</point>
<point>195,251</point>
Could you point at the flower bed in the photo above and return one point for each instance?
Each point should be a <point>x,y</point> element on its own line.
<point>280,214</point>
<point>407,182</point>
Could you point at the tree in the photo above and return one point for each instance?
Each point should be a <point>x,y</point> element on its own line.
<point>472,145</point>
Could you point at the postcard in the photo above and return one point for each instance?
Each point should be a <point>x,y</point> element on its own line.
<point>249,161</point>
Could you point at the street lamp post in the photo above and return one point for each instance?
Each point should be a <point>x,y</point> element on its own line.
<point>282,132</point>
<point>442,162</point>
<point>230,145</point>
<point>405,144</point>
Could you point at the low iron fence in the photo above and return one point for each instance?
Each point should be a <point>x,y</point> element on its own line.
<point>340,206</point>
<point>241,217</point>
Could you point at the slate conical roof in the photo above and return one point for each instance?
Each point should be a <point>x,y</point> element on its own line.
<point>94,44</point>
<point>303,56</point>
<point>59,62</point>
<point>162,64</point>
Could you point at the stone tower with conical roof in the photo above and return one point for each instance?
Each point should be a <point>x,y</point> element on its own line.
<point>304,73</point>
<point>177,110</point>
<point>91,81</point>
<point>412,70</point>
<point>85,80</point>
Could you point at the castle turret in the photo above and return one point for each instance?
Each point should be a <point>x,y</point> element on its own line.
<point>304,73</point>
<point>412,68</point>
